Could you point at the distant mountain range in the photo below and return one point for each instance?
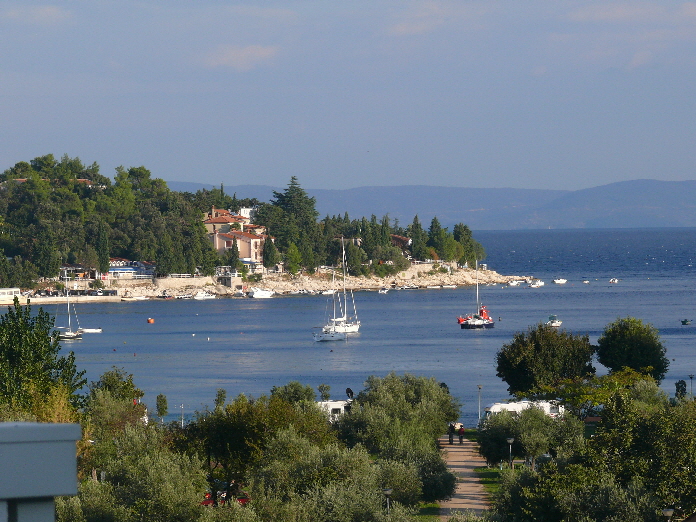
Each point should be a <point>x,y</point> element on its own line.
<point>626,204</point>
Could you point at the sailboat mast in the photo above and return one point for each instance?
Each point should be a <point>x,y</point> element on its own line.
<point>478,303</point>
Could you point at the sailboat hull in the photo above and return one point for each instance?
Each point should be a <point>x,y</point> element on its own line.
<point>476,325</point>
<point>344,327</point>
<point>330,336</point>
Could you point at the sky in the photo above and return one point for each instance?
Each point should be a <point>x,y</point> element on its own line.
<point>520,94</point>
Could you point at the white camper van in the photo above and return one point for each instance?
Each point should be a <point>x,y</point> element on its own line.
<point>550,408</point>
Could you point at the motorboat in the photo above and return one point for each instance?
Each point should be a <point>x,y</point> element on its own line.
<point>560,281</point>
<point>613,280</point>
<point>554,321</point>
<point>686,322</point>
<point>184,296</point>
<point>89,330</point>
<point>586,281</point>
<point>382,290</point>
<point>481,318</point>
<point>537,283</point>
<point>202,294</point>
<point>259,293</point>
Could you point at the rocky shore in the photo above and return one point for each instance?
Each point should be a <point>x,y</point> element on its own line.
<point>422,275</point>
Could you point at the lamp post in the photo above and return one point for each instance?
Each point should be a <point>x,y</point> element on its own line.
<point>510,441</point>
<point>691,379</point>
<point>387,493</point>
<point>668,512</point>
<point>479,388</point>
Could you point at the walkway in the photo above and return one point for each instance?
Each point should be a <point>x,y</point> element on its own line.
<point>469,495</point>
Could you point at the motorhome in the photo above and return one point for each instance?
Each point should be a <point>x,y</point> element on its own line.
<point>335,408</point>
<point>550,408</point>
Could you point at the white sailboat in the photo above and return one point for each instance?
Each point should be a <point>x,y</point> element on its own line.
<point>67,333</point>
<point>344,323</point>
<point>330,331</point>
<point>480,319</point>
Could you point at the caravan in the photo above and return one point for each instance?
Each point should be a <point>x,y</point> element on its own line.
<point>550,408</point>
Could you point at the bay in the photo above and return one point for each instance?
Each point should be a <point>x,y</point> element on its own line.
<point>248,346</point>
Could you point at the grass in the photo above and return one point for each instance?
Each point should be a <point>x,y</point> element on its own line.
<point>489,478</point>
<point>471,434</point>
<point>428,512</point>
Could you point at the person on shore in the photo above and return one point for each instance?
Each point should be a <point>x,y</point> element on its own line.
<point>450,432</point>
<point>461,434</point>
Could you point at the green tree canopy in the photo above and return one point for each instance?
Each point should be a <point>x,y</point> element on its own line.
<point>630,343</point>
<point>30,361</point>
<point>543,356</point>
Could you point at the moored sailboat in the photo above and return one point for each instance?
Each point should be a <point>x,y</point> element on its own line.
<point>67,333</point>
<point>330,331</point>
<point>345,323</point>
<point>481,318</point>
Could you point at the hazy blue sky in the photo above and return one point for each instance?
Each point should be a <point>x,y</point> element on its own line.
<point>528,93</point>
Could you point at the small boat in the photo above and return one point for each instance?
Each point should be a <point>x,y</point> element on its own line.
<point>330,291</point>
<point>202,294</point>
<point>433,286</point>
<point>259,293</point>
<point>89,330</point>
<point>537,283</point>
<point>184,296</point>
<point>613,280</point>
<point>480,319</point>
<point>450,286</point>
<point>382,290</point>
<point>686,322</point>
<point>515,282</point>
<point>587,282</point>
<point>345,323</point>
<point>66,333</point>
<point>560,281</point>
<point>554,321</point>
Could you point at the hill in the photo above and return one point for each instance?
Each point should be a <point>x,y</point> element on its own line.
<point>626,204</point>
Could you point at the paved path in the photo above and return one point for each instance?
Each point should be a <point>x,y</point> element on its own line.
<point>469,495</point>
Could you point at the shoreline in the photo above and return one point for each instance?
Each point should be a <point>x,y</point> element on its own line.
<point>418,276</point>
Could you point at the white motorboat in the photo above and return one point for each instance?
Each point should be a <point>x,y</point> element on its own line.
<point>202,294</point>
<point>586,281</point>
<point>89,330</point>
<point>537,283</point>
<point>515,282</point>
<point>259,293</point>
<point>613,280</point>
<point>560,281</point>
<point>479,319</point>
<point>382,290</point>
<point>554,321</point>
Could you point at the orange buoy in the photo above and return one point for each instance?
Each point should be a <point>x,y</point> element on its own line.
<point>150,320</point>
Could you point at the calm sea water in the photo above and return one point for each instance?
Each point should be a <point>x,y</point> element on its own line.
<point>248,346</point>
